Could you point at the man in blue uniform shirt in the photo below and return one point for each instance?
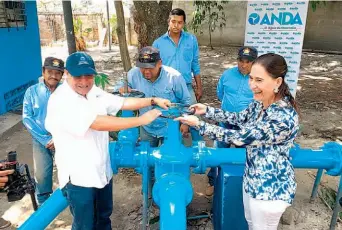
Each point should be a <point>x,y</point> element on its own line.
<point>235,95</point>
<point>34,113</point>
<point>156,80</point>
<point>179,50</point>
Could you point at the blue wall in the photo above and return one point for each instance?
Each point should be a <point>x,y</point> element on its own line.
<point>20,59</point>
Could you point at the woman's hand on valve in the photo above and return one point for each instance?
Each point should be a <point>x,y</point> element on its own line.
<point>161,102</point>
<point>150,116</point>
<point>200,109</point>
<point>189,120</point>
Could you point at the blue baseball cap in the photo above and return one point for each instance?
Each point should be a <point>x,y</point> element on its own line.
<point>79,64</point>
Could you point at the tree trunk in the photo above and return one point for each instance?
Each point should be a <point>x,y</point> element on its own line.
<point>150,20</point>
<point>120,30</point>
<point>69,26</point>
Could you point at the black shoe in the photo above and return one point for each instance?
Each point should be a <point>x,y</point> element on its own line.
<point>4,223</point>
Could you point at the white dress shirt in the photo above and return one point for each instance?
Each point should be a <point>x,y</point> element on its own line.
<point>82,155</point>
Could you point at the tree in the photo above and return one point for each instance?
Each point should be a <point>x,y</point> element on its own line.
<point>150,20</point>
<point>209,13</point>
<point>120,30</point>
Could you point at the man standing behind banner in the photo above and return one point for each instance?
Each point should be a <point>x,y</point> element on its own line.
<point>235,95</point>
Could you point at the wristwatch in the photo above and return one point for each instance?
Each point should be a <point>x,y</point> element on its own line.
<point>153,103</point>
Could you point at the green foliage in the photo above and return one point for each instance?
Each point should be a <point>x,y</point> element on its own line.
<point>210,13</point>
<point>77,25</point>
<point>328,195</point>
<point>113,22</point>
<point>78,28</point>
<point>314,4</point>
<point>101,80</point>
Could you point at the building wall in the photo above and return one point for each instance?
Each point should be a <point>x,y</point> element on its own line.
<point>20,59</point>
<point>323,27</point>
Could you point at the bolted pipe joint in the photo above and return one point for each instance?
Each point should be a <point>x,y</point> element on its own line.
<point>336,151</point>
<point>199,154</point>
<point>123,154</point>
<point>172,193</point>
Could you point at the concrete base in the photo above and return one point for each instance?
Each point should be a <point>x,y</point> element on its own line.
<point>9,123</point>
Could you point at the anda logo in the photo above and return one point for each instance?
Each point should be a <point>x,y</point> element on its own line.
<point>282,18</point>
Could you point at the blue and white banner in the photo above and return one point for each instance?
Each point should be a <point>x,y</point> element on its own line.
<point>278,27</point>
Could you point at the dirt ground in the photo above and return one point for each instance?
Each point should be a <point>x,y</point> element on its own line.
<point>319,98</point>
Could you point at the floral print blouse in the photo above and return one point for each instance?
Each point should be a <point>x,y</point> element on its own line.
<point>268,135</point>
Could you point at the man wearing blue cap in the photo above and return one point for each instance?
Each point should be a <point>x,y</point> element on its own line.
<point>77,117</point>
<point>235,95</point>
<point>34,113</point>
<point>156,80</point>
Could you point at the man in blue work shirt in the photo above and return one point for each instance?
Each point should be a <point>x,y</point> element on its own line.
<point>34,113</point>
<point>156,80</point>
<point>179,50</point>
<point>235,95</point>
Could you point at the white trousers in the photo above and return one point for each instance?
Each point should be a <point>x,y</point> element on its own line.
<point>263,214</point>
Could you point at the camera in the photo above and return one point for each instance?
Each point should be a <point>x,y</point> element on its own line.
<point>20,182</point>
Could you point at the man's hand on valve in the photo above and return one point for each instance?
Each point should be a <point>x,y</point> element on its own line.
<point>161,102</point>
<point>150,116</point>
<point>4,176</point>
<point>184,129</point>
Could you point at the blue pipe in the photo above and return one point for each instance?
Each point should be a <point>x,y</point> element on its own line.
<point>172,193</point>
<point>308,158</point>
<point>46,213</point>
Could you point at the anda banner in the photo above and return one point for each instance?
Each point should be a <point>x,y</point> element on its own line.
<point>278,27</point>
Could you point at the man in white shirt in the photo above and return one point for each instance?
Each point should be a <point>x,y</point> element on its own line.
<point>77,117</point>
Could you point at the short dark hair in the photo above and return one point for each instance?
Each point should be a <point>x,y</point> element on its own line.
<point>179,12</point>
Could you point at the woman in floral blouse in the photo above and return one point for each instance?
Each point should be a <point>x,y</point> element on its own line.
<point>268,128</point>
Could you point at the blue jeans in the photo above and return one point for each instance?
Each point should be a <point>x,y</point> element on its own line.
<point>43,171</point>
<point>212,174</point>
<point>90,207</point>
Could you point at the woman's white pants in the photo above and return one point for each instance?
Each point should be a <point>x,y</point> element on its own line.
<point>263,214</point>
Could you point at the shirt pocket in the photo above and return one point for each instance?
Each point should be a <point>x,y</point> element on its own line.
<point>166,93</point>
<point>187,54</point>
<point>167,57</point>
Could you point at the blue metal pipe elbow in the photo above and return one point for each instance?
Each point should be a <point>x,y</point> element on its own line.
<point>46,213</point>
<point>172,193</point>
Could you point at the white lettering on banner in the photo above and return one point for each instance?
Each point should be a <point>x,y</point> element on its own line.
<point>278,27</point>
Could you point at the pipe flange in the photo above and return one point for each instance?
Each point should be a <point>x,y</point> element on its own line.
<point>199,155</point>
<point>336,149</point>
